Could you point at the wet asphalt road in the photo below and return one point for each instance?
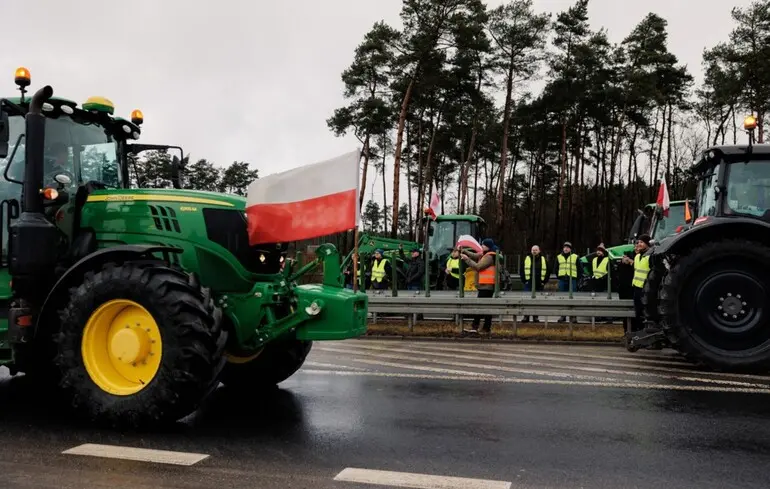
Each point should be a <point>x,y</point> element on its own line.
<point>533,415</point>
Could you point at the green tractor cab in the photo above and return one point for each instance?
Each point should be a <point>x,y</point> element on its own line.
<point>136,303</point>
<point>649,221</point>
<point>444,233</point>
<point>709,286</point>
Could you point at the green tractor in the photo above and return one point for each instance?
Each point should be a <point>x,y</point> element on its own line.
<point>136,303</point>
<point>651,221</point>
<point>443,235</point>
<point>708,290</point>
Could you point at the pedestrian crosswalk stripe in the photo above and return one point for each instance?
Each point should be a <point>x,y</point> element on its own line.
<point>416,481</point>
<point>136,454</point>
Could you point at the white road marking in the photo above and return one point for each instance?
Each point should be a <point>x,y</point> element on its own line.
<point>332,365</point>
<point>137,454</point>
<point>471,365</point>
<point>417,481</point>
<point>428,369</point>
<point>614,363</point>
<point>513,380</point>
<point>633,373</point>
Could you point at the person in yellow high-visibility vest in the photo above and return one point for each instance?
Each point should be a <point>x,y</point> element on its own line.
<point>641,265</point>
<point>452,270</point>
<point>567,270</point>
<point>600,267</point>
<point>381,271</point>
<point>533,270</point>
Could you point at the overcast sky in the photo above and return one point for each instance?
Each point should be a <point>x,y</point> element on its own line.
<point>252,80</point>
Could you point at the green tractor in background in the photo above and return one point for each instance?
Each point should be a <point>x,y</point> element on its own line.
<point>708,290</point>
<point>443,235</point>
<point>136,303</point>
<point>651,221</point>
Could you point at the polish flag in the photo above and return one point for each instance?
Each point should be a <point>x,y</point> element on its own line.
<point>663,200</point>
<point>435,203</point>
<point>307,202</point>
<point>468,241</point>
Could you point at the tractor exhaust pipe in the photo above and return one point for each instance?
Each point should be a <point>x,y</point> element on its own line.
<point>34,152</point>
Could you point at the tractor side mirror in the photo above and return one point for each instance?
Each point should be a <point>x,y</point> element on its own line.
<point>63,180</point>
<point>4,134</point>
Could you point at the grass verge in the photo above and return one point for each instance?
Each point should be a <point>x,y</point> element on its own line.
<point>610,333</point>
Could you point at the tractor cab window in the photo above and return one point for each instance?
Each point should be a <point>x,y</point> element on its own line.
<point>666,226</point>
<point>15,164</point>
<point>706,195</point>
<point>99,162</point>
<point>748,189</point>
<point>464,227</point>
<point>443,237</point>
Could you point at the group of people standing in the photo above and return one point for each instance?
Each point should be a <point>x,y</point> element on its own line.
<point>534,273</point>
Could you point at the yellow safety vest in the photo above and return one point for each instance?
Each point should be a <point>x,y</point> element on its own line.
<point>641,270</point>
<point>528,268</point>
<point>600,270</point>
<point>378,270</point>
<point>567,268</point>
<point>451,264</point>
<point>470,280</point>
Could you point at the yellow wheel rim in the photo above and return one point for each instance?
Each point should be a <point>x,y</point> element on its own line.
<point>121,347</point>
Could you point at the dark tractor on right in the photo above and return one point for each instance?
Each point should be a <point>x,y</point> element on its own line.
<point>708,291</point>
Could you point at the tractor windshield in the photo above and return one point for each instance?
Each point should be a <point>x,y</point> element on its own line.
<point>666,226</point>
<point>446,234</point>
<point>706,195</point>
<point>80,149</point>
<point>748,189</point>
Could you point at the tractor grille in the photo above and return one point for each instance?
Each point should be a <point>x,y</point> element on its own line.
<point>165,218</point>
<point>227,227</point>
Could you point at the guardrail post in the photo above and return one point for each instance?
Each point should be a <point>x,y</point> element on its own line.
<point>496,293</point>
<point>394,279</point>
<point>362,277</point>
<point>532,278</point>
<point>461,281</point>
<point>609,277</point>
<point>570,282</point>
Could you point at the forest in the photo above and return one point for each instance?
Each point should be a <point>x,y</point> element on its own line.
<point>537,122</point>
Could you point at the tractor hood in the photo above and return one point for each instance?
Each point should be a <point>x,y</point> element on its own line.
<point>192,197</point>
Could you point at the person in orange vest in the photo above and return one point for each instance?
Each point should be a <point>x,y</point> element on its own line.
<point>484,264</point>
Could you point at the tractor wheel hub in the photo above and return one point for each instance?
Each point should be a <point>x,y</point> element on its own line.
<point>130,345</point>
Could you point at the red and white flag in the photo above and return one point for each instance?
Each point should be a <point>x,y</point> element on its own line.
<point>433,209</point>
<point>663,201</point>
<point>468,241</point>
<point>306,202</point>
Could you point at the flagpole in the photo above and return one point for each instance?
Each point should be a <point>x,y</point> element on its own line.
<point>355,260</point>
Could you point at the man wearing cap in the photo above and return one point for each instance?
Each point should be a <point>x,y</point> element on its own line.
<point>381,271</point>
<point>533,270</point>
<point>641,265</point>
<point>567,270</point>
<point>415,271</point>
<point>486,272</point>
<point>600,267</point>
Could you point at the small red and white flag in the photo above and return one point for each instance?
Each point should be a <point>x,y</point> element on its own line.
<point>307,202</point>
<point>663,201</point>
<point>468,241</point>
<point>433,209</point>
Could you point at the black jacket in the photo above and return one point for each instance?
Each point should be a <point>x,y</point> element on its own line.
<point>415,271</point>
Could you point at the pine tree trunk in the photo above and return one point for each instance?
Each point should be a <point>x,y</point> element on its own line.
<point>364,171</point>
<point>397,155</point>
<point>384,187</point>
<point>409,183</point>
<point>504,144</point>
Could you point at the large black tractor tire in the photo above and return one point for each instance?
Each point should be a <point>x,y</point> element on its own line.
<point>273,364</point>
<point>714,306</point>
<point>184,329</point>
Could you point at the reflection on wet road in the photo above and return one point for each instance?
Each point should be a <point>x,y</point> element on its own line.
<point>424,414</point>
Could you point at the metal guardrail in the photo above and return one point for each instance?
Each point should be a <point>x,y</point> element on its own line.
<point>443,303</point>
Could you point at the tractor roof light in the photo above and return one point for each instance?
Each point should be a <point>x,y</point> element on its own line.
<point>99,104</point>
<point>750,123</point>
<point>137,117</point>
<point>22,77</point>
